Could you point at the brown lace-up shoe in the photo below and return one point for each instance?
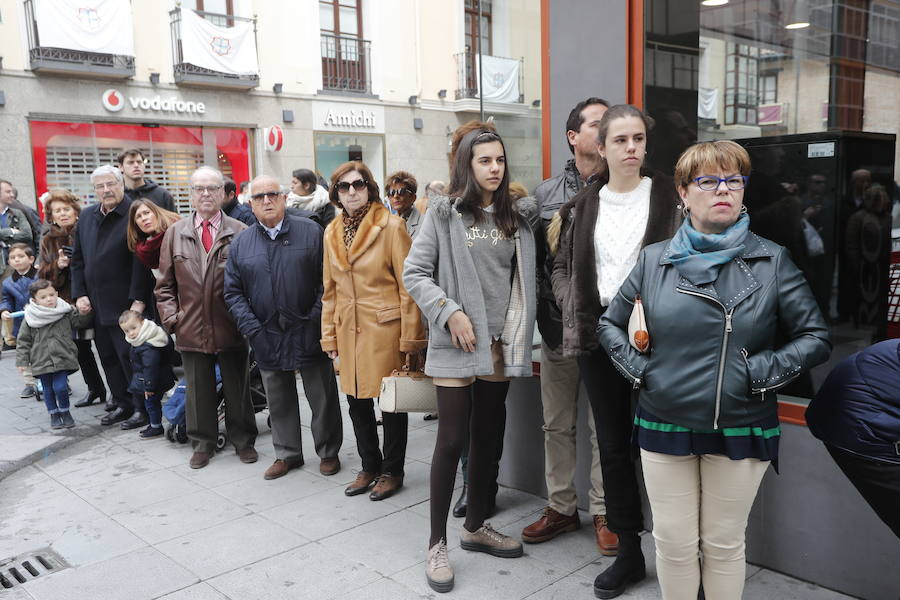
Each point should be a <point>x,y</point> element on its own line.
<point>363,481</point>
<point>330,466</point>
<point>550,525</point>
<point>281,467</point>
<point>607,541</point>
<point>199,460</point>
<point>248,455</point>
<point>386,486</point>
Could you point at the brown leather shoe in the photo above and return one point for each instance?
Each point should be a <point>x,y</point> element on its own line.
<point>330,466</point>
<point>550,525</point>
<point>199,460</point>
<point>607,541</point>
<point>281,467</point>
<point>248,455</point>
<point>362,483</point>
<point>386,486</point>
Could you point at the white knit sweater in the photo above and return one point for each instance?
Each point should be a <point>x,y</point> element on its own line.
<point>621,222</point>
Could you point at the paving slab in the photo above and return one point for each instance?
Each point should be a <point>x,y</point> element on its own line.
<point>199,591</point>
<point>257,494</point>
<point>137,492</point>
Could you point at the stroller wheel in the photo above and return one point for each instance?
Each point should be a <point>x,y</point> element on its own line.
<point>170,433</point>
<point>181,434</point>
<point>220,442</point>
<point>269,422</point>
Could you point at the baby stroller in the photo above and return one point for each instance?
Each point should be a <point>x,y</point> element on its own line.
<point>173,411</point>
<point>257,398</point>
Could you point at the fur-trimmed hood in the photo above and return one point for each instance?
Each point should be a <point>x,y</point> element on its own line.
<point>527,208</point>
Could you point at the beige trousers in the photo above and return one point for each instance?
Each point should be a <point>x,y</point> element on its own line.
<point>8,336</point>
<point>559,394</point>
<point>700,505</point>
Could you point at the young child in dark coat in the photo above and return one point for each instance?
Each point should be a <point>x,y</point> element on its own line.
<point>153,376</point>
<point>47,348</point>
<point>16,297</point>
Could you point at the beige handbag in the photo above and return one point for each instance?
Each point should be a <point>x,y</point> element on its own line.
<point>407,391</point>
<point>638,336</point>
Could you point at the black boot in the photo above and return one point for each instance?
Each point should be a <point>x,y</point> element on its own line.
<point>628,568</point>
<point>462,504</point>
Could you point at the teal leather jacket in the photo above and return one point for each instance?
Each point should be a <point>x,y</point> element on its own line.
<point>712,361</point>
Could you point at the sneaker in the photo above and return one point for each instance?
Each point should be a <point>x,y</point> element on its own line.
<point>151,432</point>
<point>67,421</point>
<point>437,568</point>
<point>55,421</point>
<point>28,392</point>
<point>487,539</point>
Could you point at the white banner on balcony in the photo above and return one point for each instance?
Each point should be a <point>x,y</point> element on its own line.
<point>103,26</point>
<point>708,103</point>
<point>501,78</point>
<point>224,49</point>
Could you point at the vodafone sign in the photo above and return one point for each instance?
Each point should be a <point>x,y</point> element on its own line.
<point>274,137</point>
<point>113,100</point>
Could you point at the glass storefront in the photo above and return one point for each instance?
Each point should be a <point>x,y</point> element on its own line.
<point>66,153</point>
<point>333,149</point>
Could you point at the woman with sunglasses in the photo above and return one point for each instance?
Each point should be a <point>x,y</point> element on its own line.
<point>369,321</point>
<point>731,320</point>
<point>400,189</point>
<point>480,323</point>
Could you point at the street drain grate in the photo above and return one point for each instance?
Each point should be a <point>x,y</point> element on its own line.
<point>25,567</point>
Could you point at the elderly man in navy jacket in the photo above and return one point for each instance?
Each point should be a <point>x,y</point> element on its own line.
<point>107,278</point>
<point>273,288</point>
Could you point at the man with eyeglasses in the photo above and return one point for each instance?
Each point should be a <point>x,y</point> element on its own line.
<point>273,288</point>
<point>108,279</point>
<point>189,296</point>
<point>400,189</point>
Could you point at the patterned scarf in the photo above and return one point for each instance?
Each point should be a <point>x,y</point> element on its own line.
<point>351,224</point>
<point>699,256</point>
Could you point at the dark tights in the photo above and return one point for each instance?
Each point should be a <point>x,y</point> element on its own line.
<point>477,411</point>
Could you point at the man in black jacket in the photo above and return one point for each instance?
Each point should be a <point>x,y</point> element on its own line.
<point>233,208</point>
<point>108,279</point>
<point>131,161</point>
<point>273,288</point>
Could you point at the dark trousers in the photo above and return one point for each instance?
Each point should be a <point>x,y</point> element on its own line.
<point>610,396</point>
<point>89,370</point>
<point>201,405</point>
<point>115,356</point>
<point>877,481</point>
<point>320,388</point>
<point>56,391</point>
<point>395,425</point>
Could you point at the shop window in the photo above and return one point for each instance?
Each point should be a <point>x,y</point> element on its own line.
<point>741,84</point>
<point>334,149</point>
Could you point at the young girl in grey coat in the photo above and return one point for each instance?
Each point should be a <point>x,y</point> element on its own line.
<point>480,323</point>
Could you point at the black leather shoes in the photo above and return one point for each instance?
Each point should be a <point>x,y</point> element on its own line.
<point>89,399</point>
<point>462,504</point>
<point>116,416</point>
<point>136,420</point>
<point>110,404</point>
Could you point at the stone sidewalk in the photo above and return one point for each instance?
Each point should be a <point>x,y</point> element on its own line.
<point>132,520</point>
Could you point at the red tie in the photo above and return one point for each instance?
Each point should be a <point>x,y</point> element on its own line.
<point>206,236</point>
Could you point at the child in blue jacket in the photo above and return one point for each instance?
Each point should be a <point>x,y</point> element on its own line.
<point>16,297</point>
<point>153,376</point>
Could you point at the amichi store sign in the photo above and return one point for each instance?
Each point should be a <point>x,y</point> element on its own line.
<point>348,117</point>
<point>114,101</point>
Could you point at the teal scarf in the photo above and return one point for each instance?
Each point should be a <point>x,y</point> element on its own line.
<point>699,256</point>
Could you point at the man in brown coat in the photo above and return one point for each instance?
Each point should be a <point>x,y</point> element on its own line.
<point>191,303</point>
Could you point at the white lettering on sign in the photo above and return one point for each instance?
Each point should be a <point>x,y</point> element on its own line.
<point>351,118</point>
<point>173,104</point>
<point>820,150</point>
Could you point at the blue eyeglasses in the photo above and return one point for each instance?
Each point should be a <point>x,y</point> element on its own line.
<point>710,183</point>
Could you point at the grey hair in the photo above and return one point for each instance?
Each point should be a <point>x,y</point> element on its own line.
<point>212,170</point>
<point>107,170</point>
<point>435,188</point>
<point>282,189</point>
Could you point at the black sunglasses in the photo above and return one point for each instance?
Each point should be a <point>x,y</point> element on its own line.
<point>358,185</point>
<point>399,192</point>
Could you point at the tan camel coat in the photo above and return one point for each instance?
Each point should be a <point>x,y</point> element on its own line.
<point>367,316</point>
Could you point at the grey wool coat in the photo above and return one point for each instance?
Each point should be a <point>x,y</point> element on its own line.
<point>440,275</point>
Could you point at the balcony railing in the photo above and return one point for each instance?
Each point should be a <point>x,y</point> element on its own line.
<point>192,75</point>
<point>346,65</point>
<point>65,61</point>
<point>467,75</point>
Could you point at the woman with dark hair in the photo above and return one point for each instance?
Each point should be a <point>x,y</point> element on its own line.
<point>604,228</point>
<point>63,208</point>
<point>307,194</point>
<point>480,331</point>
<point>368,319</point>
<point>147,224</point>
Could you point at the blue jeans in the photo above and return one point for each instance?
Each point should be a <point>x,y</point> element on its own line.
<point>154,408</point>
<point>56,391</point>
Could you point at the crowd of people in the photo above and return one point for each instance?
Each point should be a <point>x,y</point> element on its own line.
<point>333,277</point>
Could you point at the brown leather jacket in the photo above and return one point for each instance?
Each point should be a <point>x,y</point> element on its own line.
<point>189,297</point>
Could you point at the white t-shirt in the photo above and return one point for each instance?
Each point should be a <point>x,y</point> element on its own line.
<point>621,222</point>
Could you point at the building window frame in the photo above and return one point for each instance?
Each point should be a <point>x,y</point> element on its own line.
<point>768,87</point>
<point>336,6</point>
<point>741,81</point>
